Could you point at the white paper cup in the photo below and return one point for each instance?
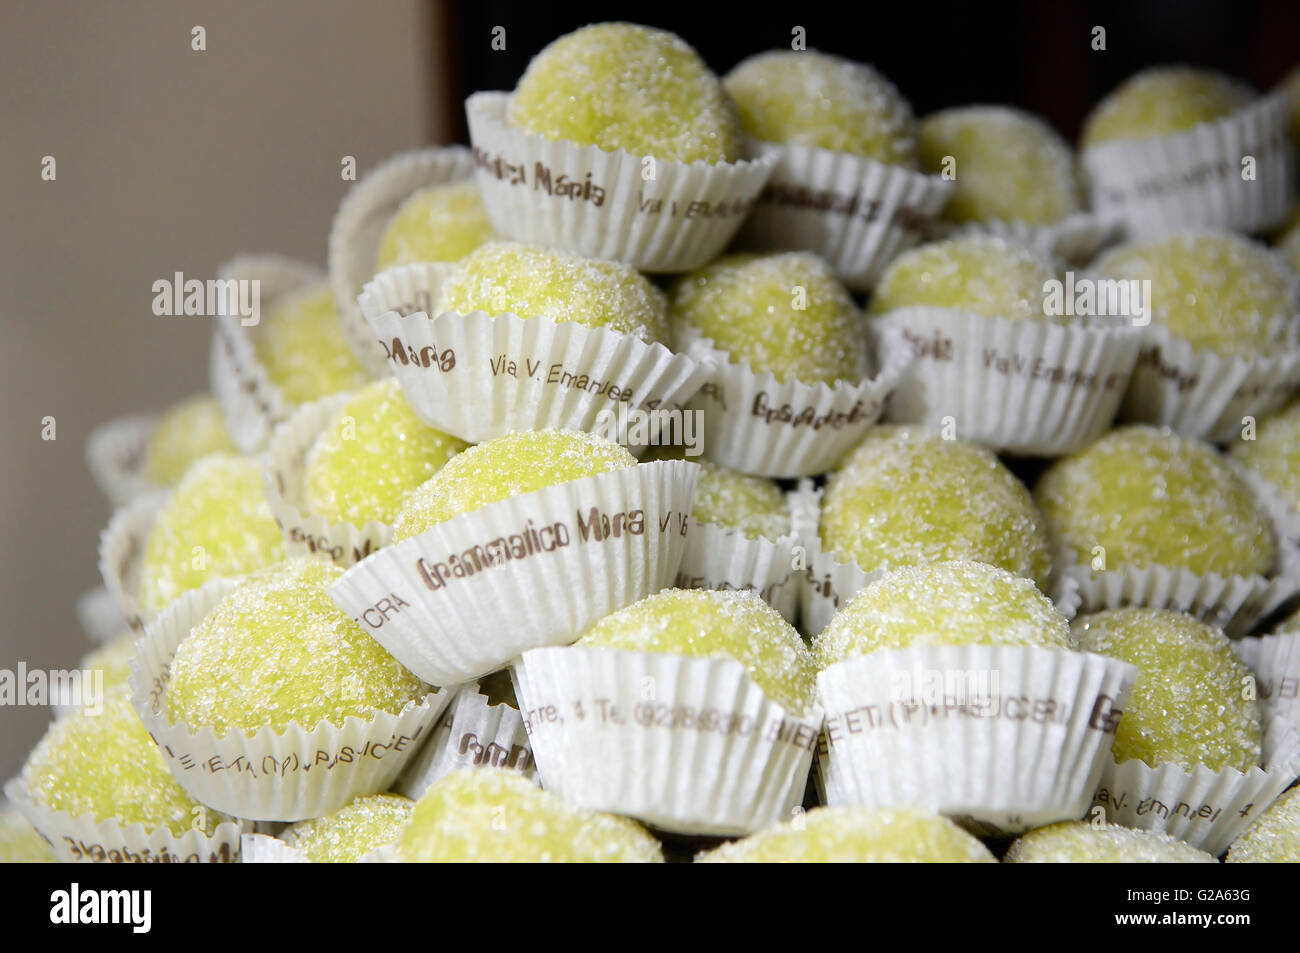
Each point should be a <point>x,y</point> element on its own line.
<point>855,212</point>
<point>656,215</point>
<point>265,849</point>
<point>478,377</point>
<point>303,772</point>
<point>1004,738</point>
<point>100,617</point>
<point>687,745</point>
<point>117,454</point>
<point>467,596</point>
<point>359,227</point>
<point>121,554</point>
<point>718,557</point>
<point>1275,660</point>
<point>1076,239</point>
<point>1197,177</point>
<point>1018,386</point>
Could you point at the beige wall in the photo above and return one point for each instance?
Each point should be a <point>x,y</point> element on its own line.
<point>167,160</point>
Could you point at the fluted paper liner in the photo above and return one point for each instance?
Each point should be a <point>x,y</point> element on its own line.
<point>478,377</point>
<point>117,456</point>
<point>471,733</point>
<point>762,426</point>
<point>100,617</point>
<point>1275,660</point>
<point>1206,808</point>
<point>1159,184</point>
<point>305,533</point>
<point>688,745</point>
<point>265,849</point>
<point>656,215</point>
<point>121,554</point>
<point>1020,740</point>
<point>719,557</point>
<point>250,403</point>
<point>82,839</point>
<point>1019,386</point>
<point>1076,239</point>
<point>1203,394</point>
<point>303,772</point>
<point>359,227</point>
<point>467,596</point>
<point>855,212</point>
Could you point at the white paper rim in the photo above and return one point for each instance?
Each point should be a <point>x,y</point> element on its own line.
<point>121,554</point>
<point>722,558</point>
<point>117,454</point>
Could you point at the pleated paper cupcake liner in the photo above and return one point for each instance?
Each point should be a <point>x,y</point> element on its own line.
<point>1285,516</point>
<point>471,733</point>
<point>687,745</point>
<point>658,216</point>
<point>1196,177</point>
<point>1275,660</point>
<point>304,771</point>
<point>116,453</point>
<point>1076,239</point>
<point>478,377</point>
<point>250,403</point>
<point>359,227</point>
<point>265,849</point>
<point>100,616</point>
<point>121,555</point>
<point>762,426</point>
<point>1017,386</point>
<point>306,533</point>
<point>1207,809</point>
<point>1004,738</point>
<point>82,839</point>
<point>466,597</point>
<point>1203,394</point>
<point>721,558</point>
<point>856,213</point>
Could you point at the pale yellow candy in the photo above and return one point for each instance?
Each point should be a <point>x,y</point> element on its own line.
<point>530,281</point>
<point>507,466</point>
<point>192,429</point>
<point>952,603</point>
<point>1274,454</point>
<point>906,496</point>
<point>105,764</point>
<point>982,274</point>
<point>216,523</point>
<point>629,87</point>
<point>1219,291</point>
<point>813,99</point>
<point>20,843</point>
<point>1007,165</point>
<point>782,313</point>
<point>372,453</point>
<point>439,223</point>
<point>349,833</point>
<point>491,815</point>
<point>1142,496</point>
<point>277,651</point>
<point>708,624</point>
<point>301,347</point>
<point>1078,842</point>
<point>856,835</point>
<point>1193,701</point>
<point>111,661</point>
<point>1288,243</point>
<point>753,505</point>
<point>1164,100</point>
<point>1274,838</point>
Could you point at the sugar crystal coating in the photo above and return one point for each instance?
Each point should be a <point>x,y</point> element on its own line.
<point>1164,100</point>
<point>493,815</point>
<point>708,624</point>
<point>813,99</point>
<point>1078,842</point>
<point>783,313</point>
<point>1217,290</point>
<point>1189,705</point>
<point>950,603</point>
<point>112,661</point>
<point>349,833</point>
<point>278,651</point>
<point>438,223</point>
<point>905,496</point>
<point>1274,454</point>
<point>373,452</point>
<point>1009,165</point>
<point>192,429</point>
<point>507,466</point>
<point>216,523</point>
<point>105,764</point>
<point>301,347</point>
<point>1142,496</point>
<point>20,843</point>
<point>530,281</point>
<point>1274,838</point>
<point>753,505</point>
<point>628,87</point>
<point>856,835</point>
